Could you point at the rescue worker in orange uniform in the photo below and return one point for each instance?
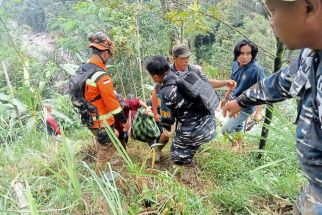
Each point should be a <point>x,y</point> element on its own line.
<point>99,91</point>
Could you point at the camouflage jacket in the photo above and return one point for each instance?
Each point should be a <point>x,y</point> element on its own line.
<point>174,106</point>
<point>296,81</point>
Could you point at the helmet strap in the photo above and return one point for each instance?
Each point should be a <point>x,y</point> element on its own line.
<point>104,61</point>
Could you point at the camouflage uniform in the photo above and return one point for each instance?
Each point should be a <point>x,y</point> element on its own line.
<point>193,128</point>
<point>296,81</point>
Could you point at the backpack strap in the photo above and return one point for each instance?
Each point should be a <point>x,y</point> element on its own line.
<point>193,68</point>
<point>96,98</point>
<point>92,80</point>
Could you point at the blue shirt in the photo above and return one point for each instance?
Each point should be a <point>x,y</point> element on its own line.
<point>245,77</point>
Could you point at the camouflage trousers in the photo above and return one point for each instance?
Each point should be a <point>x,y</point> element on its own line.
<point>183,154</point>
<point>189,138</point>
<point>309,201</point>
<point>309,151</point>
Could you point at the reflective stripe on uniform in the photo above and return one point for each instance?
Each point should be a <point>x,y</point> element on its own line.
<point>91,81</point>
<point>116,111</point>
<point>103,117</point>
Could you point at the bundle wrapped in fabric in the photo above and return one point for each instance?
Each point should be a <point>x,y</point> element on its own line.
<point>144,128</point>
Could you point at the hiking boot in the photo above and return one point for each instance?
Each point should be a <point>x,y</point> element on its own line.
<point>157,152</point>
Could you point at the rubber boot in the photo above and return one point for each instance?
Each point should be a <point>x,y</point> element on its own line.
<point>158,151</point>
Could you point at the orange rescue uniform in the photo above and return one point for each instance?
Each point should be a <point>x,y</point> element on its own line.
<point>107,105</point>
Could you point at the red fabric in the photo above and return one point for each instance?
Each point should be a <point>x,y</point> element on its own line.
<point>132,105</point>
<point>51,121</point>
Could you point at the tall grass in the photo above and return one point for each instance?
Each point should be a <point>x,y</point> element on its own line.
<point>109,191</point>
<point>31,201</point>
<point>58,182</point>
<point>247,185</point>
<point>120,149</point>
<point>70,168</point>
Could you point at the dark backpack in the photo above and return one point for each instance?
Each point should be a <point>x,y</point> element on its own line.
<point>200,92</point>
<point>76,91</point>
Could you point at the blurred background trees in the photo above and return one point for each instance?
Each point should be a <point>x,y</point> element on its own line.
<point>40,39</point>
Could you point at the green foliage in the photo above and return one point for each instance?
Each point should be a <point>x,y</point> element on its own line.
<point>31,200</point>
<point>134,27</point>
<point>109,191</point>
<point>243,180</point>
<point>58,182</point>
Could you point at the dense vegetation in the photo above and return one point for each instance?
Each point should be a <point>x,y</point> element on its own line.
<point>41,40</point>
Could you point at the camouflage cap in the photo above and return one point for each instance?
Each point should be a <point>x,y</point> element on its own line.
<point>101,42</point>
<point>181,51</point>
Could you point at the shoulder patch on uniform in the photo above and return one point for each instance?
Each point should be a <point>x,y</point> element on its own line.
<point>106,81</point>
<point>165,114</point>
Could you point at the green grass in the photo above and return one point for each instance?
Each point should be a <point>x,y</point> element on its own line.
<point>58,182</point>
<point>250,186</point>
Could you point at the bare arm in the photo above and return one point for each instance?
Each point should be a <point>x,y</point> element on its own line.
<point>258,109</point>
<point>155,105</point>
<point>143,104</point>
<point>221,83</point>
<point>258,113</point>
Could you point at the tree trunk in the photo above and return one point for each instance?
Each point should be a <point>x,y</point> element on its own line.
<point>132,78</point>
<point>181,32</point>
<point>270,107</point>
<point>139,58</point>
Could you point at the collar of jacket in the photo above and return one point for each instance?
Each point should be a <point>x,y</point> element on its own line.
<point>250,64</point>
<point>97,61</point>
<point>173,69</point>
<point>169,78</point>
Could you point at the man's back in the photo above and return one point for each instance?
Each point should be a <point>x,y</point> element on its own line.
<point>191,123</point>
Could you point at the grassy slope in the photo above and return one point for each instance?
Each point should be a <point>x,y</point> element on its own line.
<point>61,182</point>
